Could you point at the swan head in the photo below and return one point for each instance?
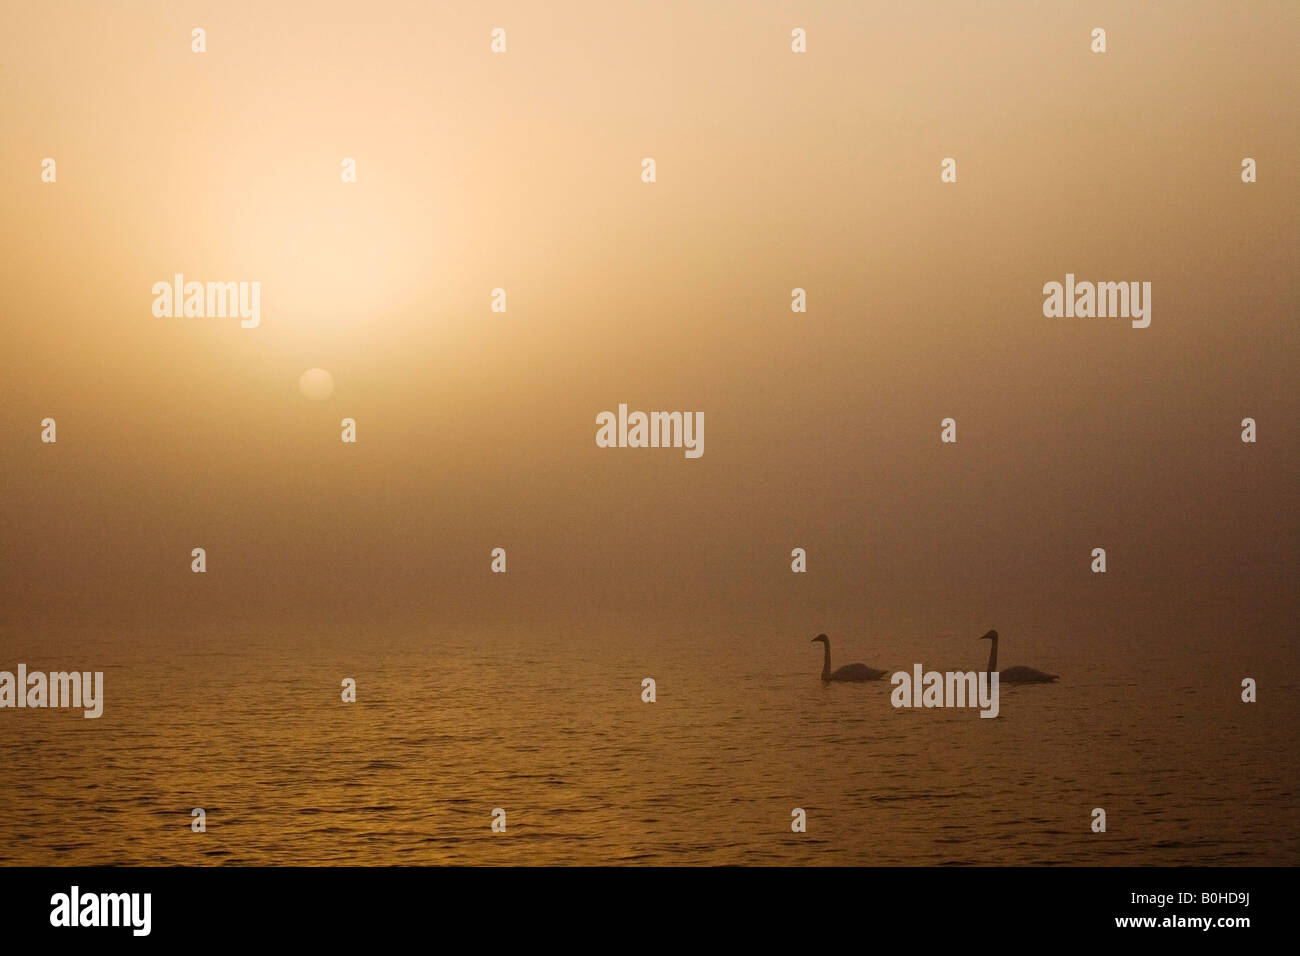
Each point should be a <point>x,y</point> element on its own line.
<point>990,636</point>
<point>821,637</point>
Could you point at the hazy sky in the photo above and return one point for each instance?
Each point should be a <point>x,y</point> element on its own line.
<point>775,171</point>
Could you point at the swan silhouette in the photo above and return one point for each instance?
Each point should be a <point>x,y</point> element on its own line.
<point>849,672</point>
<point>1013,675</point>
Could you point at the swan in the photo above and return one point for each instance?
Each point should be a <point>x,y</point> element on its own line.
<point>1013,675</point>
<point>849,672</point>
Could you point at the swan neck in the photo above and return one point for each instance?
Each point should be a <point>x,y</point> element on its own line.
<point>826,660</point>
<point>993,655</point>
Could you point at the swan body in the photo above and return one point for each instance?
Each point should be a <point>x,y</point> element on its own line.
<point>849,672</point>
<point>1024,675</point>
<point>1014,675</point>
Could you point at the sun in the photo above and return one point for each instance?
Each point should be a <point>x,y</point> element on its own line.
<point>316,384</point>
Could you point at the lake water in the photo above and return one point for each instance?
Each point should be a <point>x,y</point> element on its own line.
<point>551,727</point>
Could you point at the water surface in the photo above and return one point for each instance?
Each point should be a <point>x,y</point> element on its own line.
<point>551,727</point>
